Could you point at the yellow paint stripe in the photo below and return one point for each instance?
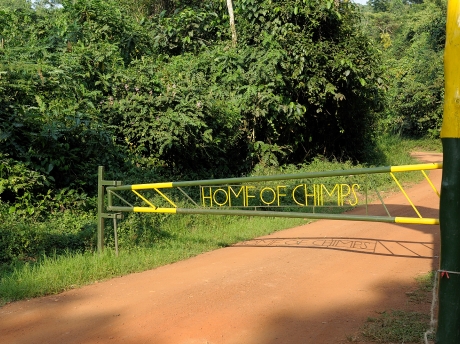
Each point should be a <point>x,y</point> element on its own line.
<point>431,184</point>
<point>451,119</point>
<point>166,198</point>
<point>415,221</point>
<point>151,186</point>
<point>157,210</point>
<point>407,197</point>
<point>144,199</point>
<point>418,167</point>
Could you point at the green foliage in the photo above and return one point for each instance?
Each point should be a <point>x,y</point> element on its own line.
<point>49,121</point>
<point>17,179</point>
<point>330,78</point>
<point>175,114</point>
<point>187,30</point>
<point>15,4</point>
<point>379,5</point>
<point>28,239</point>
<point>412,37</point>
<point>390,147</point>
<point>91,83</point>
<point>390,5</point>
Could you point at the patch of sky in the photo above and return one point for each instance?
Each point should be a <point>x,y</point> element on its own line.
<point>361,2</point>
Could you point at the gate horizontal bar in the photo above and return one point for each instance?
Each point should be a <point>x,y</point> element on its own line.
<point>313,216</point>
<point>304,175</point>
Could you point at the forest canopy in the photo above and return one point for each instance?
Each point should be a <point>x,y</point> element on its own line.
<point>411,36</point>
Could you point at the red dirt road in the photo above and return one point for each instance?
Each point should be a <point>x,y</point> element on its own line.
<point>316,284</point>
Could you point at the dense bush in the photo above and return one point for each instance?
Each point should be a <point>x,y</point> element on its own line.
<point>49,122</point>
<point>330,88</point>
<point>98,83</point>
<point>303,80</point>
<point>29,239</point>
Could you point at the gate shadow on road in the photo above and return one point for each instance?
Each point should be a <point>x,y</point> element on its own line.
<point>394,248</point>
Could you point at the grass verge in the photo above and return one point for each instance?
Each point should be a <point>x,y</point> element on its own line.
<point>185,237</point>
<point>398,326</point>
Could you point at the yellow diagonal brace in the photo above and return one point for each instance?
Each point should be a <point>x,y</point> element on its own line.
<point>166,198</point>
<point>144,199</point>
<point>429,181</point>
<point>404,193</point>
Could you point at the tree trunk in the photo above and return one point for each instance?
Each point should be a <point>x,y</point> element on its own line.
<point>232,21</point>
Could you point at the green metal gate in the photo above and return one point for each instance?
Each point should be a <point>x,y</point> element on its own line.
<point>309,195</point>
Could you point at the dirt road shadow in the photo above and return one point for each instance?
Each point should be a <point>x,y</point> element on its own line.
<point>394,248</point>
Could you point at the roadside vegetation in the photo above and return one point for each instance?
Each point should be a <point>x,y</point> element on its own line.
<point>161,91</point>
<point>397,327</point>
<point>44,254</point>
<point>402,326</point>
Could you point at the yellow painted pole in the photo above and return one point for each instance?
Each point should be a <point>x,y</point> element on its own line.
<point>448,331</point>
<point>451,119</point>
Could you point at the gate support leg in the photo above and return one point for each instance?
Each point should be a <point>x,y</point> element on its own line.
<point>101,214</point>
<point>100,209</point>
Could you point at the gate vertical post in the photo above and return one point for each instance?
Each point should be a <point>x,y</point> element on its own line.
<point>448,329</point>
<point>100,209</point>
